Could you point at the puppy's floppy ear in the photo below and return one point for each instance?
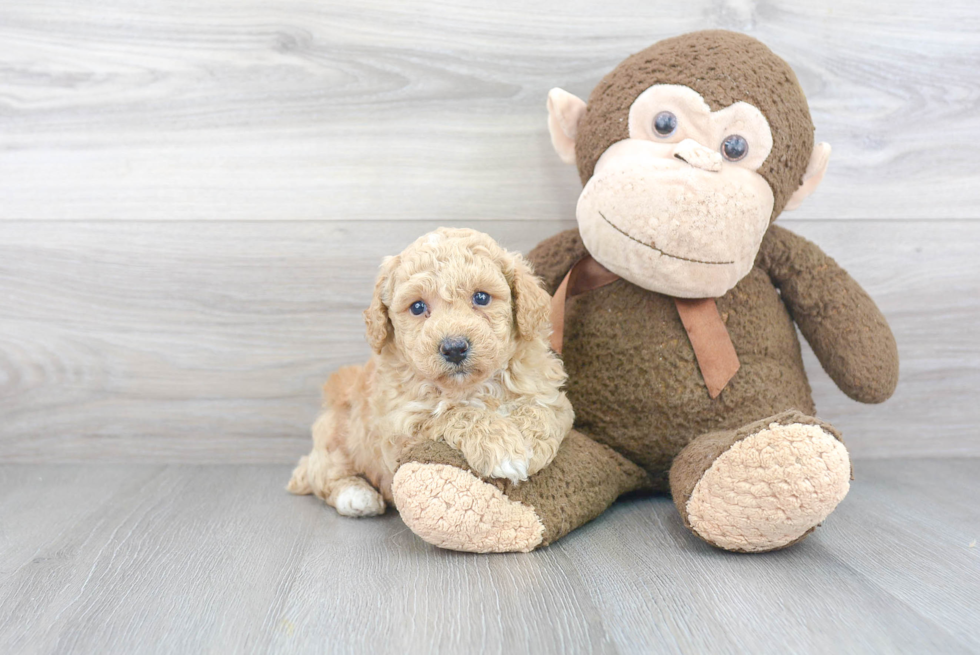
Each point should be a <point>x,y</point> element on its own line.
<point>532,304</point>
<point>379,327</point>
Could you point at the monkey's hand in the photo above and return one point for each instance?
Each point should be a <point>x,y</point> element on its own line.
<point>492,445</point>
<point>843,325</point>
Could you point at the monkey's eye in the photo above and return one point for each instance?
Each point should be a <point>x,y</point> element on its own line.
<point>734,147</point>
<point>418,308</point>
<point>481,298</point>
<point>665,123</point>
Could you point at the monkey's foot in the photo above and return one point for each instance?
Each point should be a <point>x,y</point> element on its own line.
<point>452,508</point>
<point>763,487</point>
<point>445,504</point>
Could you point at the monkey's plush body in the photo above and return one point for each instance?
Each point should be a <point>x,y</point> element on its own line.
<point>688,151</point>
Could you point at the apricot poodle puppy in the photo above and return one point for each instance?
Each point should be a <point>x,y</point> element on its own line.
<point>459,328</point>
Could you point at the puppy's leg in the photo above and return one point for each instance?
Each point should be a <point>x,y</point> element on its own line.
<point>353,496</point>
<point>297,482</point>
<point>492,445</point>
<point>329,473</point>
<point>544,427</point>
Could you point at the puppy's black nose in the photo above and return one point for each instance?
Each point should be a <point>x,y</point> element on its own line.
<point>454,349</point>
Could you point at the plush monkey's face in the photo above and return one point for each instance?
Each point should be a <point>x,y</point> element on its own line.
<point>678,205</point>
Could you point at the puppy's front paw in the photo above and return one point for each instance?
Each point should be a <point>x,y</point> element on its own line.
<point>514,470</point>
<point>492,445</point>
<point>509,460</point>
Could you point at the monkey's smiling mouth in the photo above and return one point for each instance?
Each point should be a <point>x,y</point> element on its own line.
<point>655,249</point>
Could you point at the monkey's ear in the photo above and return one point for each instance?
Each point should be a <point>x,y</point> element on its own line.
<point>813,176</point>
<point>532,304</point>
<point>379,327</point>
<point>565,111</point>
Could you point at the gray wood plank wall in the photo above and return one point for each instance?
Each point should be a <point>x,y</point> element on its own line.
<point>194,196</point>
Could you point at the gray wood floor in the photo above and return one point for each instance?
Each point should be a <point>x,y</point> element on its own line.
<point>189,559</point>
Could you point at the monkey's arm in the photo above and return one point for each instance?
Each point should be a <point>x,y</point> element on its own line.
<point>554,256</point>
<point>843,325</point>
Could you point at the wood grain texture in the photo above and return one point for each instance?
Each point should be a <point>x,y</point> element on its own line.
<point>385,110</point>
<point>208,341</point>
<point>164,559</point>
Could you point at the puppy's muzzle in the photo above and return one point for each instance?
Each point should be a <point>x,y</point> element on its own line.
<point>454,349</point>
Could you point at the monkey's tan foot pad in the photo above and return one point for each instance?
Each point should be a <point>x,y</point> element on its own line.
<point>770,489</point>
<point>451,508</point>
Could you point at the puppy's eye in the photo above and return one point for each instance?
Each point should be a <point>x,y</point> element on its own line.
<point>665,123</point>
<point>418,308</point>
<point>481,298</point>
<point>735,147</point>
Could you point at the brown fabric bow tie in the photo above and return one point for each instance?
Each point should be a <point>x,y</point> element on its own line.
<point>713,347</point>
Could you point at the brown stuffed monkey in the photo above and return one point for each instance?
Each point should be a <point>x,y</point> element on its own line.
<point>677,316</point>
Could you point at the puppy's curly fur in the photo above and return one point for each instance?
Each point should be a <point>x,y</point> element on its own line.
<point>501,405</point>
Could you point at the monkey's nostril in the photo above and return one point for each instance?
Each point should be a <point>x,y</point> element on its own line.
<point>681,158</point>
<point>454,349</point>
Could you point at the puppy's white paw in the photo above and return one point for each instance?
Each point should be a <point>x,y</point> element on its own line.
<point>514,470</point>
<point>357,500</point>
